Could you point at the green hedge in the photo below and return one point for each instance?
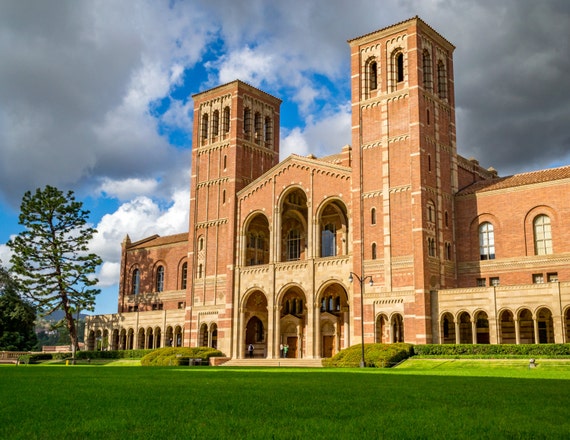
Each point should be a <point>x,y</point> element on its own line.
<point>172,356</point>
<point>112,354</point>
<point>375,355</point>
<point>493,350</point>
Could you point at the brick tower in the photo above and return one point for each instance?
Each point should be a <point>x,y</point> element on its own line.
<point>235,140</point>
<point>404,170</point>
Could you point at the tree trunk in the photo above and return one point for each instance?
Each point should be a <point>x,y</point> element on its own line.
<point>72,331</point>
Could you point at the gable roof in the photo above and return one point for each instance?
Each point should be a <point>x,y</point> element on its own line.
<point>516,180</point>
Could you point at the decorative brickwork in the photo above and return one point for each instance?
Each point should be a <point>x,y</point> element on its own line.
<point>456,253</point>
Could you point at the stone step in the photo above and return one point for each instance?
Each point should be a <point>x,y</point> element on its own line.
<point>292,362</point>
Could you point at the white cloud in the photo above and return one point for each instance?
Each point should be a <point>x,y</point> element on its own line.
<point>5,255</point>
<point>321,137</point>
<point>127,188</point>
<point>108,274</point>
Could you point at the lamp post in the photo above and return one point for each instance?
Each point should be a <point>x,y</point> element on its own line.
<point>361,281</point>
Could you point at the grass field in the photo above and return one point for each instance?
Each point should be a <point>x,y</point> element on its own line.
<point>420,399</point>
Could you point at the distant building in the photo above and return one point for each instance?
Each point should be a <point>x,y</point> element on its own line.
<point>456,254</point>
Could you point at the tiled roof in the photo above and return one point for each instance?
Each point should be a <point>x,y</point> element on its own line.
<point>160,241</point>
<point>515,180</point>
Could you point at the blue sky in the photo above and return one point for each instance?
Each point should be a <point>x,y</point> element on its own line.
<point>95,96</point>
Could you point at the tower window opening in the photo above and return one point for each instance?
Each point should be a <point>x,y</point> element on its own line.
<point>373,75</point>
<point>400,67</point>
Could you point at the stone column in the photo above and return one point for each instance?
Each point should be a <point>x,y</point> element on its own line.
<point>517,332</point>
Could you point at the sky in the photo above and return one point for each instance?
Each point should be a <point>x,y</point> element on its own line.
<point>96,95</point>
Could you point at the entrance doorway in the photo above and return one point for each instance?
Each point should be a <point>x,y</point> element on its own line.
<point>328,346</point>
<point>292,343</point>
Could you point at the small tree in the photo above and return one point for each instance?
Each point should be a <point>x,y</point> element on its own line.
<point>51,255</point>
<point>17,317</point>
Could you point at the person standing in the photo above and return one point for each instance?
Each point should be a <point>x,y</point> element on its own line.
<point>285,350</point>
<point>280,350</point>
<point>250,350</point>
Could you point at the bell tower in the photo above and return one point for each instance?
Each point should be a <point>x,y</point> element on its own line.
<point>235,140</point>
<point>404,167</point>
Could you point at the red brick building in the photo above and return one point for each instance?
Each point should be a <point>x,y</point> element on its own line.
<point>445,251</point>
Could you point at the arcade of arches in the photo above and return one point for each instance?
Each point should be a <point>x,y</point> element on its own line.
<point>522,326</point>
<point>291,323</point>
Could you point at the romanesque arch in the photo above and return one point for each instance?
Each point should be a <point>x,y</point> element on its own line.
<point>545,326</point>
<point>397,327</point>
<point>382,329</point>
<point>293,321</point>
<point>465,328</point>
<point>526,326</point>
<point>255,318</point>
<point>257,240</point>
<point>447,330</point>
<point>333,322</point>
<point>482,328</point>
<point>294,225</point>
<point>333,229</point>
<point>507,333</point>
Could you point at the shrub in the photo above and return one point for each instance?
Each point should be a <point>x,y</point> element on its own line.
<point>172,356</point>
<point>376,355</point>
<point>112,354</point>
<point>493,350</point>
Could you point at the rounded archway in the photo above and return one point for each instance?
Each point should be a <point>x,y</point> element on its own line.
<point>382,329</point>
<point>333,320</point>
<point>447,329</point>
<point>507,333</point>
<point>526,327</point>
<point>397,328</point>
<point>255,328</point>
<point>465,329</point>
<point>292,322</point>
<point>482,327</point>
<point>545,326</point>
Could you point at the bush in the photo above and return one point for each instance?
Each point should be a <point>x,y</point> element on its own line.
<point>112,354</point>
<point>173,356</point>
<point>493,350</point>
<point>375,355</point>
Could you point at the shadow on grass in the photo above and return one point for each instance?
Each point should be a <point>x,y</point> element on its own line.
<point>260,403</point>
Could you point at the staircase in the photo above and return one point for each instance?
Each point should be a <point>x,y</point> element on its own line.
<point>283,362</point>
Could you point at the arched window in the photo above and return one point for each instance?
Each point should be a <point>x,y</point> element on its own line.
<point>226,120</point>
<point>184,276</point>
<point>373,251</point>
<point>486,241</point>
<point>373,75</point>
<point>216,123</point>
<point>428,75</point>
<point>257,126</point>
<point>399,67</point>
<point>204,126</point>
<point>542,235</point>
<point>201,243</point>
<point>247,120</point>
<point>160,278</point>
<point>373,216</point>
<point>224,196</point>
<point>268,130</point>
<point>328,241</point>
<point>430,212</point>
<point>136,282</point>
<point>441,80</point>
<point>431,246</point>
<point>225,161</point>
<point>293,245</point>
<point>448,251</point>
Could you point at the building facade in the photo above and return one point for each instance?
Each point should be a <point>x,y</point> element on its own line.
<point>439,249</point>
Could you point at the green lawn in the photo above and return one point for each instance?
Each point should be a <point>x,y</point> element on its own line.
<point>420,399</point>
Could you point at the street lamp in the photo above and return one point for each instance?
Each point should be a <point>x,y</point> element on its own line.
<point>361,281</point>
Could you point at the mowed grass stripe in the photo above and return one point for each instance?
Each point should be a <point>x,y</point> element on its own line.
<point>476,400</point>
